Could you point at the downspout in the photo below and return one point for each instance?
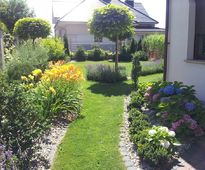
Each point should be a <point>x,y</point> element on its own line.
<point>166,40</point>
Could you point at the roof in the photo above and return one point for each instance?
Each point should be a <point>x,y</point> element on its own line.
<point>79,14</point>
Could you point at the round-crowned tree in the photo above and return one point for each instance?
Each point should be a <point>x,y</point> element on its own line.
<point>112,22</point>
<point>32,28</point>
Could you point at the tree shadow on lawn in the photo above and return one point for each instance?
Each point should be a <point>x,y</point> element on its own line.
<point>111,89</point>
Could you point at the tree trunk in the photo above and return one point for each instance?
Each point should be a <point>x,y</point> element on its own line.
<point>117,55</point>
<point>2,62</point>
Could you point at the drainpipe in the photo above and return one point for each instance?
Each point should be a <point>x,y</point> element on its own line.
<point>166,39</point>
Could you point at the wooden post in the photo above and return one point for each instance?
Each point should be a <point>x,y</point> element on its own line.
<point>2,62</point>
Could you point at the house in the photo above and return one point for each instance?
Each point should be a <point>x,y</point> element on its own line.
<point>73,23</point>
<point>185,43</point>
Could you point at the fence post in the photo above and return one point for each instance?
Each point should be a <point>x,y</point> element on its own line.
<point>2,62</point>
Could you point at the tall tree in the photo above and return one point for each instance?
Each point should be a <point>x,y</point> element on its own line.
<point>13,10</point>
<point>2,28</point>
<point>114,23</point>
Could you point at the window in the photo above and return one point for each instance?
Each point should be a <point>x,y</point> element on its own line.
<point>199,49</point>
<point>97,39</point>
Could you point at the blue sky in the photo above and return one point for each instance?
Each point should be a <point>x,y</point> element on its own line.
<point>155,8</point>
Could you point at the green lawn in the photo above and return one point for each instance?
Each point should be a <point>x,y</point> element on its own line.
<point>91,142</point>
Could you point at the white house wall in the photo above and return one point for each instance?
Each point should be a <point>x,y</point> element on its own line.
<point>78,35</point>
<point>181,67</point>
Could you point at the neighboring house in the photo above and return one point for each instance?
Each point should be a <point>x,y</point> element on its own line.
<point>185,60</point>
<point>73,23</point>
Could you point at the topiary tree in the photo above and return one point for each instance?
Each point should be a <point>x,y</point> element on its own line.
<point>32,28</point>
<point>136,69</point>
<point>133,46</point>
<point>13,10</point>
<point>114,23</point>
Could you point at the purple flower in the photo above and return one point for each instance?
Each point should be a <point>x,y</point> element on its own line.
<point>190,106</point>
<point>169,90</point>
<point>155,97</point>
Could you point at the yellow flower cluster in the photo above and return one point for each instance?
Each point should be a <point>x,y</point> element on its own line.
<point>66,72</point>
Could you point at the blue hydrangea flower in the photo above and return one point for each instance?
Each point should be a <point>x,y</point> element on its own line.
<point>161,90</point>
<point>190,106</point>
<point>179,91</point>
<point>169,90</point>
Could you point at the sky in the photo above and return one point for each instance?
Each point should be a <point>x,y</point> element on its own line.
<point>155,8</point>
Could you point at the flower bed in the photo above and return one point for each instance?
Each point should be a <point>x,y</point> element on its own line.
<point>162,115</point>
<point>29,108</point>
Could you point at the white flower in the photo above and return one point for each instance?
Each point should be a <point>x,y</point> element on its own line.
<point>165,143</point>
<point>164,129</point>
<point>152,132</point>
<point>172,133</point>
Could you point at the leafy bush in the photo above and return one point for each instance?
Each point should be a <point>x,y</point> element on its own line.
<point>177,107</point>
<point>105,73</point>
<point>154,45</point>
<point>80,55</point>
<point>157,145</point>
<point>26,58</point>
<point>32,28</point>
<point>136,101</point>
<point>141,55</point>
<point>125,54</point>
<point>55,48</point>
<point>96,54</point>
<point>19,121</point>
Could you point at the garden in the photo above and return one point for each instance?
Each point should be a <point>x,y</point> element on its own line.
<point>45,88</point>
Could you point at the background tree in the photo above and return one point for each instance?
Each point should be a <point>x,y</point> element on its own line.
<point>13,10</point>
<point>32,28</point>
<point>114,23</point>
<point>133,46</point>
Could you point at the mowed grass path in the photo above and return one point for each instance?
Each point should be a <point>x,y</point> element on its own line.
<point>91,142</point>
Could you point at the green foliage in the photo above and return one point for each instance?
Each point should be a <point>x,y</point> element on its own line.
<point>8,44</point>
<point>139,45</point>
<point>32,28</point>
<point>177,107</point>
<point>19,122</point>
<point>157,145</point>
<point>105,73</point>
<point>154,45</point>
<point>136,101</point>
<point>66,45</point>
<point>96,54</point>
<point>80,55</point>
<point>3,26</point>
<point>136,69</point>
<point>125,54</point>
<point>141,55</point>
<point>55,48</point>
<point>26,58</point>
<point>114,23</point>
<point>111,22</point>
<point>133,46</point>
<point>13,10</point>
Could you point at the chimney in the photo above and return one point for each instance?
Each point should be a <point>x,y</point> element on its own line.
<point>130,2</point>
